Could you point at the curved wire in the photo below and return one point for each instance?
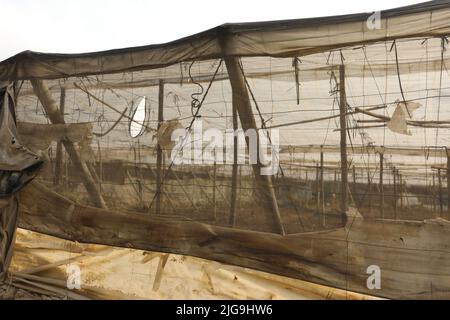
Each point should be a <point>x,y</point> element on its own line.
<point>195,103</point>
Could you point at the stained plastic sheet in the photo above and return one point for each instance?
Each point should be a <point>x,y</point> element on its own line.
<point>336,207</point>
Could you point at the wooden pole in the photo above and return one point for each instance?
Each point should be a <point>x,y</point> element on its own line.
<point>137,173</point>
<point>201,188</point>
<point>234,176</point>
<point>357,110</point>
<point>243,105</point>
<point>54,114</point>
<point>225,199</point>
<point>343,132</point>
<point>322,186</point>
<point>381,187</point>
<point>214,187</point>
<point>354,183</point>
<point>66,170</point>
<point>395,193</point>
<point>440,192</point>
<point>159,271</point>
<point>240,188</point>
<point>400,179</point>
<point>317,187</point>
<point>100,165</point>
<point>322,190</point>
<point>159,151</point>
<point>434,195</point>
<point>181,184</point>
<point>59,151</point>
<point>163,190</point>
<point>140,179</point>
<point>369,191</point>
<point>448,183</point>
<point>335,188</point>
<point>291,159</point>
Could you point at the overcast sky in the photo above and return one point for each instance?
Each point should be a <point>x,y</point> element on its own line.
<point>69,26</point>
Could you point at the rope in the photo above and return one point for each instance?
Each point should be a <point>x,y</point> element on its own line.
<point>112,127</point>
<point>399,79</point>
<point>195,103</point>
<point>188,129</point>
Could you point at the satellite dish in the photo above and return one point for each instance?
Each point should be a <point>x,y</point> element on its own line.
<point>137,119</point>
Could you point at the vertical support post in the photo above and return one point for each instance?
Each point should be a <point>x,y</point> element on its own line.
<point>434,195</point>
<point>335,182</point>
<point>234,175</point>
<point>317,188</point>
<point>59,151</point>
<point>448,183</point>
<point>322,196</point>
<point>322,190</point>
<point>381,186</point>
<point>394,171</point>
<point>66,170</point>
<point>369,189</point>
<point>52,110</point>
<point>291,159</point>
<point>354,183</point>
<point>343,132</point>
<point>241,100</point>
<point>240,188</point>
<point>214,186</point>
<point>159,151</point>
<point>100,165</point>
<point>137,171</point>
<point>440,192</point>
<point>400,179</point>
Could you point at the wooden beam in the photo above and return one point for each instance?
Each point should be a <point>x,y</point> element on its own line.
<point>448,183</point>
<point>323,118</point>
<point>381,186</point>
<point>159,271</point>
<point>378,116</point>
<point>317,188</point>
<point>354,189</point>
<point>241,100</point>
<point>159,151</point>
<point>217,187</point>
<point>234,174</point>
<point>59,151</point>
<point>394,173</point>
<point>434,194</point>
<point>428,122</point>
<point>369,190</point>
<point>322,190</point>
<point>422,124</point>
<point>343,132</point>
<point>400,179</point>
<point>437,152</point>
<point>214,187</point>
<point>440,193</point>
<point>54,114</point>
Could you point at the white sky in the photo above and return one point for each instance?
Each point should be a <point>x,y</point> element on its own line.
<point>69,26</point>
